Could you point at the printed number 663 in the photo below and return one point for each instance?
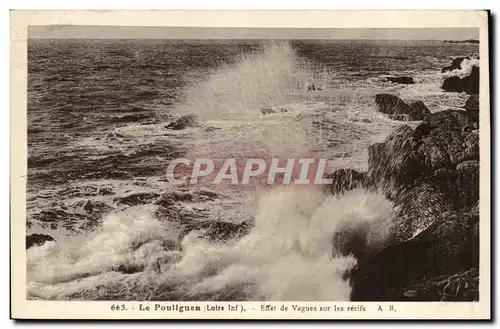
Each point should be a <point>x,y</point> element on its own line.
<point>118,307</point>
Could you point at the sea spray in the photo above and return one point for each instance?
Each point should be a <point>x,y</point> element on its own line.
<point>290,254</point>
<point>465,68</point>
<point>261,79</point>
<point>232,98</point>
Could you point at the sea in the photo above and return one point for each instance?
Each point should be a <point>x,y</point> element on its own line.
<point>99,146</point>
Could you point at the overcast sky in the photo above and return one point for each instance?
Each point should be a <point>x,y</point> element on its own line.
<point>134,32</point>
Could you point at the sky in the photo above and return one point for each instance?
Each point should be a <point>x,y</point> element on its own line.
<point>135,32</point>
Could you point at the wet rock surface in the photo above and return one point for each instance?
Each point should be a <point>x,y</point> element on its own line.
<point>397,109</point>
<point>468,84</point>
<point>472,106</point>
<point>345,180</point>
<point>37,239</point>
<point>431,173</point>
<point>456,64</point>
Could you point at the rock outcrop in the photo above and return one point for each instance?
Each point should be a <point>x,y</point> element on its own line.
<point>431,173</point>
<point>468,84</point>
<point>456,64</point>
<point>445,247</point>
<point>453,84</point>
<point>442,141</point>
<point>472,106</point>
<point>345,180</point>
<point>418,110</point>
<point>401,80</point>
<point>37,239</point>
<point>399,110</point>
<point>390,104</point>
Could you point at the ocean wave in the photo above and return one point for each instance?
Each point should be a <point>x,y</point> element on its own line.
<point>265,78</point>
<point>464,70</point>
<point>298,249</point>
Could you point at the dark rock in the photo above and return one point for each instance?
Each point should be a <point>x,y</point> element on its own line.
<point>410,155</point>
<point>472,106</point>
<point>390,104</point>
<point>448,120</point>
<point>431,173</point>
<point>185,121</point>
<point>470,83</point>
<point>37,240</point>
<point>402,80</point>
<point>468,182</point>
<point>345,180</point>
<point>456,64</point>
<point>418,110</point>
<point>460,286</point>
<point>453,84</point>
<point>399,110</point>
<point>396,162</point>
<point>422,206</point>
<point>444,247</point>
<point>129,268</point>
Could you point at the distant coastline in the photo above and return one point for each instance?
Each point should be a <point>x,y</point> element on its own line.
<point>461,41</point>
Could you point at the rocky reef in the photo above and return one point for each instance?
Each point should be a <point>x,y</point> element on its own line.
<point>431,173</point>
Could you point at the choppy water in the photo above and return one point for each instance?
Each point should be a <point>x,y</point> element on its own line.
<point>98,149</point>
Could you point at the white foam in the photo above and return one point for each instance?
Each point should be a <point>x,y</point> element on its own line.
<point>288,254</point>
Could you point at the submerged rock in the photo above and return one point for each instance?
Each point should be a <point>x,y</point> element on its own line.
<point>402,80</point>
<point>37,240</point>
<point>185,121</point>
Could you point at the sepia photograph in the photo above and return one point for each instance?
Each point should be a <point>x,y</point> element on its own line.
<point>167,166</point>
